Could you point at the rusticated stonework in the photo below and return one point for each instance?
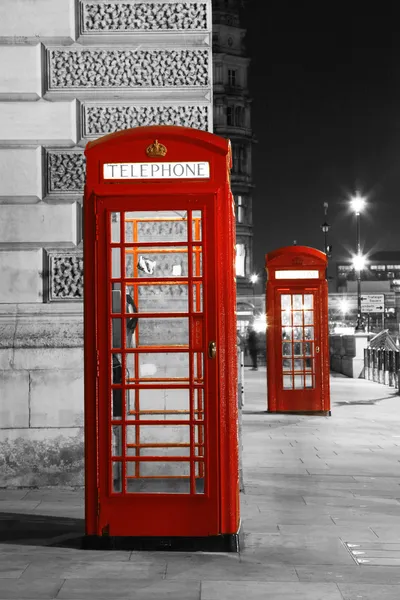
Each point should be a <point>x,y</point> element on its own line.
<point>140,16</point>
<point>65,172</point>
<point>100,120</point>
<point>106,68</point>
<point>65,276</point>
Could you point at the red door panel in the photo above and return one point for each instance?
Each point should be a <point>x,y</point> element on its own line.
<point>297,347</point>
<point>158,427</point>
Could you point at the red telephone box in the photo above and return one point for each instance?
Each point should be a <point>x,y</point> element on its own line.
<point>297,331</point>
<point>161,420</point>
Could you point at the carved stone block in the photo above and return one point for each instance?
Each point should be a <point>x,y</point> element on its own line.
<point>66,171</point>
<point>99,119</point>
<point>141,16</point>
<point>105,68</point>
<point>65,272</point>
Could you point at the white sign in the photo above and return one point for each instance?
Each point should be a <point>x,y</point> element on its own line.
<point>161,170</point>
<point>300,274</point>
<point>372,303</point>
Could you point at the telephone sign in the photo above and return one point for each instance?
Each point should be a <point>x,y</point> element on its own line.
<point>373,303</point>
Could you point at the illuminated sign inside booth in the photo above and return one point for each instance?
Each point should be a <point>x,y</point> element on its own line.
<point>163,170</point>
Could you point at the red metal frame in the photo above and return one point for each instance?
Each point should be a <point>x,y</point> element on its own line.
<point>297,331</point>
<point>217,510</point>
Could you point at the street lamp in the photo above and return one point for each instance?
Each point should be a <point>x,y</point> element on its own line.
<point>357,203</point>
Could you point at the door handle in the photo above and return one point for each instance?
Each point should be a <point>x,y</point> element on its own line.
<point>212,350</point>
<point>317,349</point>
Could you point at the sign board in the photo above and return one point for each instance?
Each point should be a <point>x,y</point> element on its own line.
<point>372,303</point>
<point>161,170</point>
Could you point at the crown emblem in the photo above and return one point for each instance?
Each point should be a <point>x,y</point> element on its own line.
<point>156,149</point>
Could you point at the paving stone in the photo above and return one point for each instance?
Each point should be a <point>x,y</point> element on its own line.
<point>245,571</point>
<point>344,573</point>
<point>256,590</point>
<point>294,550</point>
<point>11,568</point>
<point>104,589</point>
<point>19,589</point>
<point>89,570</point>
<point>369,592</point>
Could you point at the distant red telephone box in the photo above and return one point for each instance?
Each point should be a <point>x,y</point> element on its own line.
<point>161,420</point>
<point>297,331</point>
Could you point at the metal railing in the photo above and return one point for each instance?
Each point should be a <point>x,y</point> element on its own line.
<point>382,366</point>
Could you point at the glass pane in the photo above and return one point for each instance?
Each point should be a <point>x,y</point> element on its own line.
<point>156,226</point>
<point>287,333</point>
<point>116,298</point>
<point>159,469</point>
<point>115,263</point>
<point>117,476</point>
<point>158,485</point>
<point>298,349</point>
<point>309,317</point>
<point>162,297</point>
<point>297,318</point>
<point>165,262</point>
<point>198,367</point>
<point>297,301</point>
<point>286,349</point>
<point>116,440</point>
<point>298,364</point>
<point>116,333</point>
<point>308,348</point>
<point>162,332</point>
<point>309,333</point>
<point>199,477</point>
<point>115,228</point>
<point>298,382</point>
<point>196,222</point>
<point>287,382</point>
<point>157,366</point>
<point>309,382</point>
<point>285,301</point>
<point>308,301</point>
<point>131,442</point>
<point>286,365</point>
<point>116,368</point>
<point>286,317</point>
<point>160,404</point>
<point>198,297</point>
<point>309,364</point>
<point>198,404</point>
<point>298,333</point>
<point>197,261</point>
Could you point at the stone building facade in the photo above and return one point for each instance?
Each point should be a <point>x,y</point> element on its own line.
<point>232,119</point>
<point>71,71</point>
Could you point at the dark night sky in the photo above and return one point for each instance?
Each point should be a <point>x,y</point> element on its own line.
<point>325,83</point>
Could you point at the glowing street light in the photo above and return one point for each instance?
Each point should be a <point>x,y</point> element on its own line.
<point>359,261</point>
<point>357,203</point>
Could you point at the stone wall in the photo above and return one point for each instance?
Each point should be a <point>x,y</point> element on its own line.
<point>72,71</point>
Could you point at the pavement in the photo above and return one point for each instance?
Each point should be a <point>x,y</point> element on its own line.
<point>320,512</point>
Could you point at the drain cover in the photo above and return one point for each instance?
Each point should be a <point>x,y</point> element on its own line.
<point>375,553</point>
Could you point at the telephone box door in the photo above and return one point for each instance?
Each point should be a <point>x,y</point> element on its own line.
<point>158,427</point>
<point>297,344</point>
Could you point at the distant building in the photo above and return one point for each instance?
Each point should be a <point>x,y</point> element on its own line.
<point>232,119</point>
<point>382,273</point>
